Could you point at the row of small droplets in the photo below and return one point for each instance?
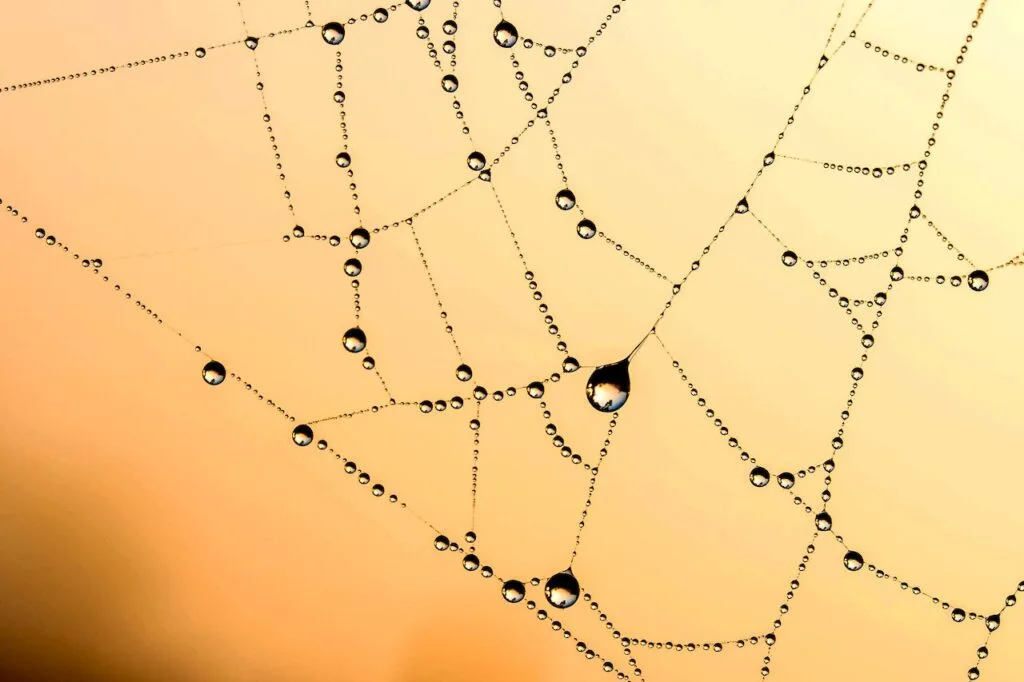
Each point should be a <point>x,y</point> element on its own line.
<point>594,471</point>
<point>449,81</point>
<point>794,585</point>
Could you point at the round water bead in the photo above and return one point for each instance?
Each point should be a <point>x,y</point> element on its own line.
<point>359,238</point>
<point>449,27</point>
<point>978,280</point>
<point>353,267</point>
<point>200,52</point>
<point>449,83</point>
<point>992,622</point>
<point>562,589</point>
<point>896,274</point>
<point>570,365</point>
<point>789,259</point>
<point>441,543</point>
<point>759,477</point>
<point>380,15</point>
<point>823,521</point>
<point>958,615</point>
<point>786,480</point>
<point>333,33</point>
<point>470,537</point>
<point>505,34</point>
<point>535,389</point>
<point>302,435</point>
<point>513,591</point>
<point>354,340</point>
<point>463,372</point>
<point>476,161</point>
<point>214,373</point>
<point>608,386</point>
<point>586,229</point>
<point>344,160</point>
<point>853,561</point>
<point>471,562</point>
<point>565,199</point>
<point>298,232</point>
<point>973,673</point>
<point>418,5</point>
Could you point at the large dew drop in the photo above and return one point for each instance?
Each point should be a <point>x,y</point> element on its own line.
<point>333,33</point>
<point>853,561</point>
<point>354,340</point>
<point>214,373</point>
<point>513,591</point>
<point>562,589</point>
<point>608,386</point>
<point>505,34</point>
<point>302,435</point>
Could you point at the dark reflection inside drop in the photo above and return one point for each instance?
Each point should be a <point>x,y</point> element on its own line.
<point>608,386</point>
<point>562,589</point>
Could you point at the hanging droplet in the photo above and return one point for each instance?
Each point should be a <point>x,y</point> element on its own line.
<point>958,615</point>
<point>769,159</point>
<point>586,229</point>
<point>344,160</point>
<point>823,521</point>
<point>786,480</point>
<point>853,561</point>
<point>822,62</point>
<point>418,5</point>
<point>562,589</point>
<point>441,543</point>
<point>992,622</point>
<point>380,15</point>
<point>298,232</point>
<point>354,340</point>
<point>339,97</point>
<point>513,591</point>
<point>565,199</point>
<point>214,373</point>
<point>608,386</point>
<point>742,206</point>
<point>471,562</point>
<point>333,33</point>
<point>789,259</point>
<point>302,435</point>
<point>463,372</point>
<point>570,365</point>
<point>915,211</point>
<point>973,673</point>
<point>759,477</point>
<point>252,43</point>
<point>505,34</point>
<point>359,238</point>
<point>535,389</point>
<point>353,267</point>
<point>449,83</point>
<point>476,161</point>
<point>200,52</point>
<point>449,27</point>
<point>896,274</point>
<point>978,280</point>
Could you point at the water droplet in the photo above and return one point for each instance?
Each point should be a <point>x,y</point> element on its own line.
<point>586,229</point>
<point>252,43</point>
<point>463,372</point>
<point>915,211</point>
<point>200,52</point>
<point>214,373</point>
<point>418,5</point>
<point>535,389</point>
<point>896,274</point>
<point>339,97</point>
<point>565,199</point>
<point>449,83</point>
<point>354,340</point>
<point>789,259</point>
<point>759,477</point>
<point>973,673</point>
<point>562,589</point>
<point>742,206</point>
<point>353,266</point>
<point>476,161</point>
<point>471,562</point>
<point>302,435</point>
<point>769,159</point>
<point>369,362</point>
<point>505,34</point>
<point>344,160</point>
<point>608,386</point>
<point>958,615</point>
<point>441,543</point>
<point>823,521</point>
<point>377,490</point>
<point>786,480</point>
<point>978,280</point>
<point>513,591</point>
<point>449,27</point>
<point>359,238</point>
<point>867,340</point>
<point>992,622</point>
<point>570,365</point>
<point>853,561</point>
<point>298,232</point>
<point>333,33</point>
<point>380,15</point>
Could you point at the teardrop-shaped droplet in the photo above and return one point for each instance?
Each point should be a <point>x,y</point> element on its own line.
<point>418,5</point>
<point>608,386</point>
<point>214,373</point>
<point>505,34</point>
<point>562,589</point>
<point>333,33</point>
<point>252,43</point>
<point>743,206</point>
<point>823,521</point>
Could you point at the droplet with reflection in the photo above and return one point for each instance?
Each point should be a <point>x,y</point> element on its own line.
<point>214,373</point>
<point>302,435</point>
<point>333,33</point>
<point>853,561</point>
<point>608,386</point>
<point>505,34</point>
<point>354,340</point>
<point>562,589</point>
<point>513,591</point>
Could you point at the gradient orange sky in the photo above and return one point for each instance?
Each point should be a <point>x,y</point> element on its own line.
<point>157,528</point>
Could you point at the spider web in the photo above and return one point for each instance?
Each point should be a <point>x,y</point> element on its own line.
<point>749,367</point>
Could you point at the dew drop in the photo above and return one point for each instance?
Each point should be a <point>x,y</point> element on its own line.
<point>992,622</point>
<point>958,615</point>
<point>562,589</point>
<point>333,33</point>
<point>354,340</point>
<point>441,543</point>
<point>786,480</point>
<point>344,160</point>
<point>302,435</point>
<point>535,389</point>
<point>789,259</point>
<point>853,561</point>
<point>471,562</point>
<point>449,83</point>
<point>353,267</point>
<point>608,386</point>
<point>200,52</point>
<point>769,159</point>
<point>513,591</point>
<point>570,365</point>
<point>823,521</point>
<point>978,280</point>
<point>565,199</point>
<point>743,206</point>
<point>359,238</point>
<point>252,43</point>
<point>759,477</point>
<point>476,161</point>
<point>380,15</point>
<point>418,5</point>
<point>586,229</point>
<point>505,34</point>
<point>214,373</point>
<point>896,274</point>
<point>463,372</point>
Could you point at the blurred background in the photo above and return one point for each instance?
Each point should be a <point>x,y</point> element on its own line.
<point>154,527</point>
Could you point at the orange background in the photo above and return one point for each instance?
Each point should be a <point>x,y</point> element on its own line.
<point>153,527</point>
